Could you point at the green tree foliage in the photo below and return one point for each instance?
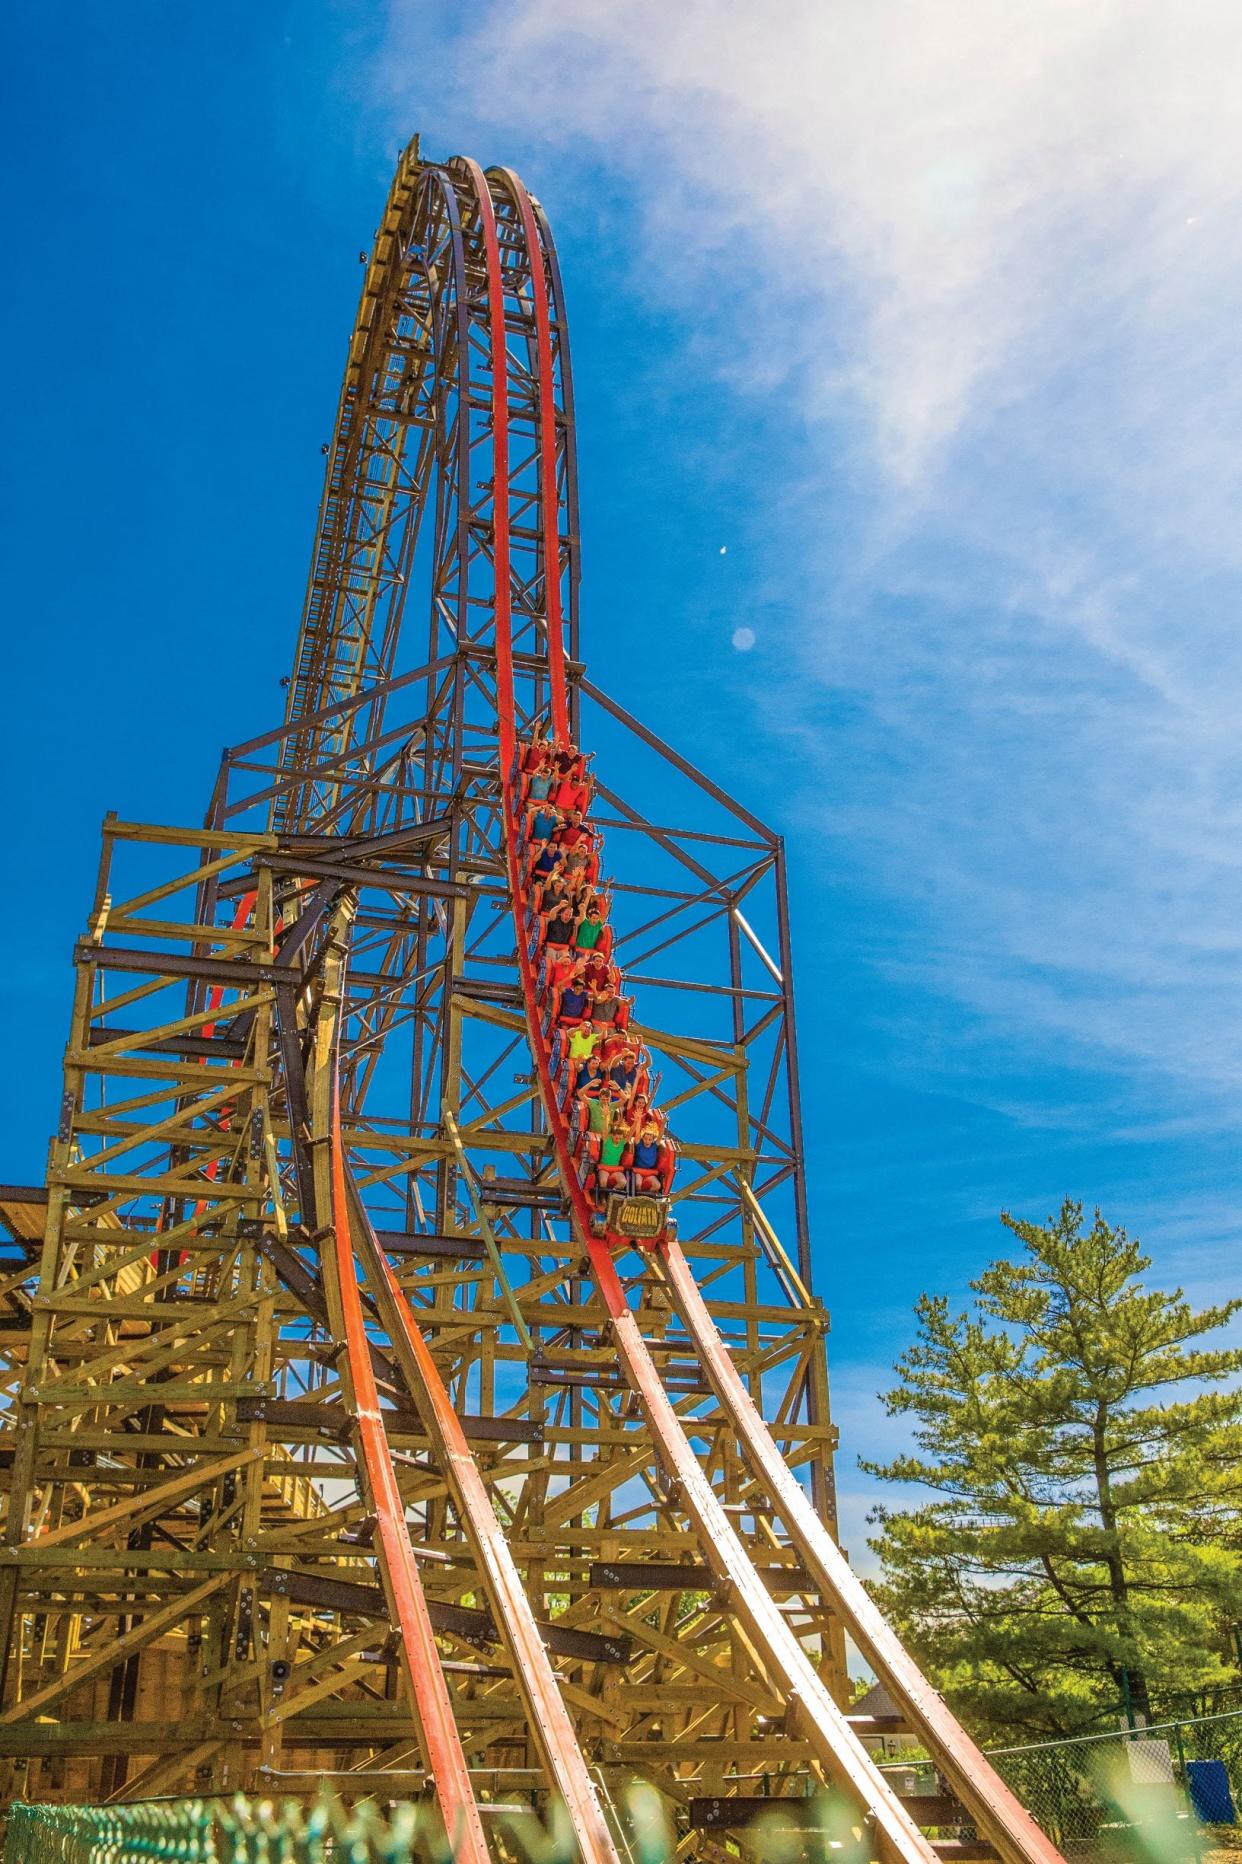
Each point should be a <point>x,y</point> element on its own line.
<point>1086,1456</point>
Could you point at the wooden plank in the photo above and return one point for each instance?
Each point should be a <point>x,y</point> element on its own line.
<point>994,1808</point>
<point>312,1414</point>
<point>736,1811</point>
<point>106,1652</point>
<point>681,1576</point>
<point>147,1501</point>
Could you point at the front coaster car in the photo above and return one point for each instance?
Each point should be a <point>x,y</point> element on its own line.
<point>635,1218</point>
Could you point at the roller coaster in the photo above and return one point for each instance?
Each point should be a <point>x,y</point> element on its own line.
<point>368,1420</point>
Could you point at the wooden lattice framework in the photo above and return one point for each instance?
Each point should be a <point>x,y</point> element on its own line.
<point>328,1412</point>
<point>186,1500</point>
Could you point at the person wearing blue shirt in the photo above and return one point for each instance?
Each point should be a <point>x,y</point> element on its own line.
<point>573,1002</point>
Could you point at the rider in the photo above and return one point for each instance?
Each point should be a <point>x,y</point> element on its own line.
<point>547,858</point>
<point>587,1075</point>
<point>595,1099</point>
<point>573,830</point>
<point>613,1155</point>
<point>642,1114</point>
<point>539,783</point>
<point>574,1001</point>
<point>583,1042</point>
<point>559,928</point>
<point>646,1160</point>
<point>554,891</point>
<point>542,821</point>
<point>596,971</point>
<point>591,925</point>
<point>623,1071</point>
<point>535,751</point>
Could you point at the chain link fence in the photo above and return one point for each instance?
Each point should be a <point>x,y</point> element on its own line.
<point>238,1831</point>
<point>325,1831</point>
<point>1167,1794</point>
<point>1158,1795</point>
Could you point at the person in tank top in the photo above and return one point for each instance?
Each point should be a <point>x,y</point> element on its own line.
<point>544,821</point>
<point>559,928</point>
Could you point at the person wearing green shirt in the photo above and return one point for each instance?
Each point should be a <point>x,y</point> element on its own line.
<point>610,1171</point>
<point>590,930</point>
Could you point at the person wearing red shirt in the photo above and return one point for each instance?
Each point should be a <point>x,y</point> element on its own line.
<point>597,972</point>
<point>643,1113</point>
<point>536,749</point>
<point>573,832</point>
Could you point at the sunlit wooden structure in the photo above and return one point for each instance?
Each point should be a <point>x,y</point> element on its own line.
<point>341,1443</point>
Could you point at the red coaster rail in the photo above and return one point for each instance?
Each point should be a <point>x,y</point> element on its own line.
<point>443,1755</point>
<point>353,1244</point>
<point>558,1747</point>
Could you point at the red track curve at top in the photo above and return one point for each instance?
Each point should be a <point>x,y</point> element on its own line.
<point>555,624</point>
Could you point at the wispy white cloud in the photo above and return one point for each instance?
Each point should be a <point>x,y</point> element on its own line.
<point>988,258</point>
<point>960,180</point>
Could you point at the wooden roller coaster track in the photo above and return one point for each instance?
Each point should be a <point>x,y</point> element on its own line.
<point>348,1437</point>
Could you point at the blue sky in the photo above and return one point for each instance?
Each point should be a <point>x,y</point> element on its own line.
<point>927,319</point>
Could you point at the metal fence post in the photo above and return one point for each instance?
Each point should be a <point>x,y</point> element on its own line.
<point>1190,1802</point>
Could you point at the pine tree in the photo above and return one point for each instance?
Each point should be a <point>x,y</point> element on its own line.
<point>1081,1555</point>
